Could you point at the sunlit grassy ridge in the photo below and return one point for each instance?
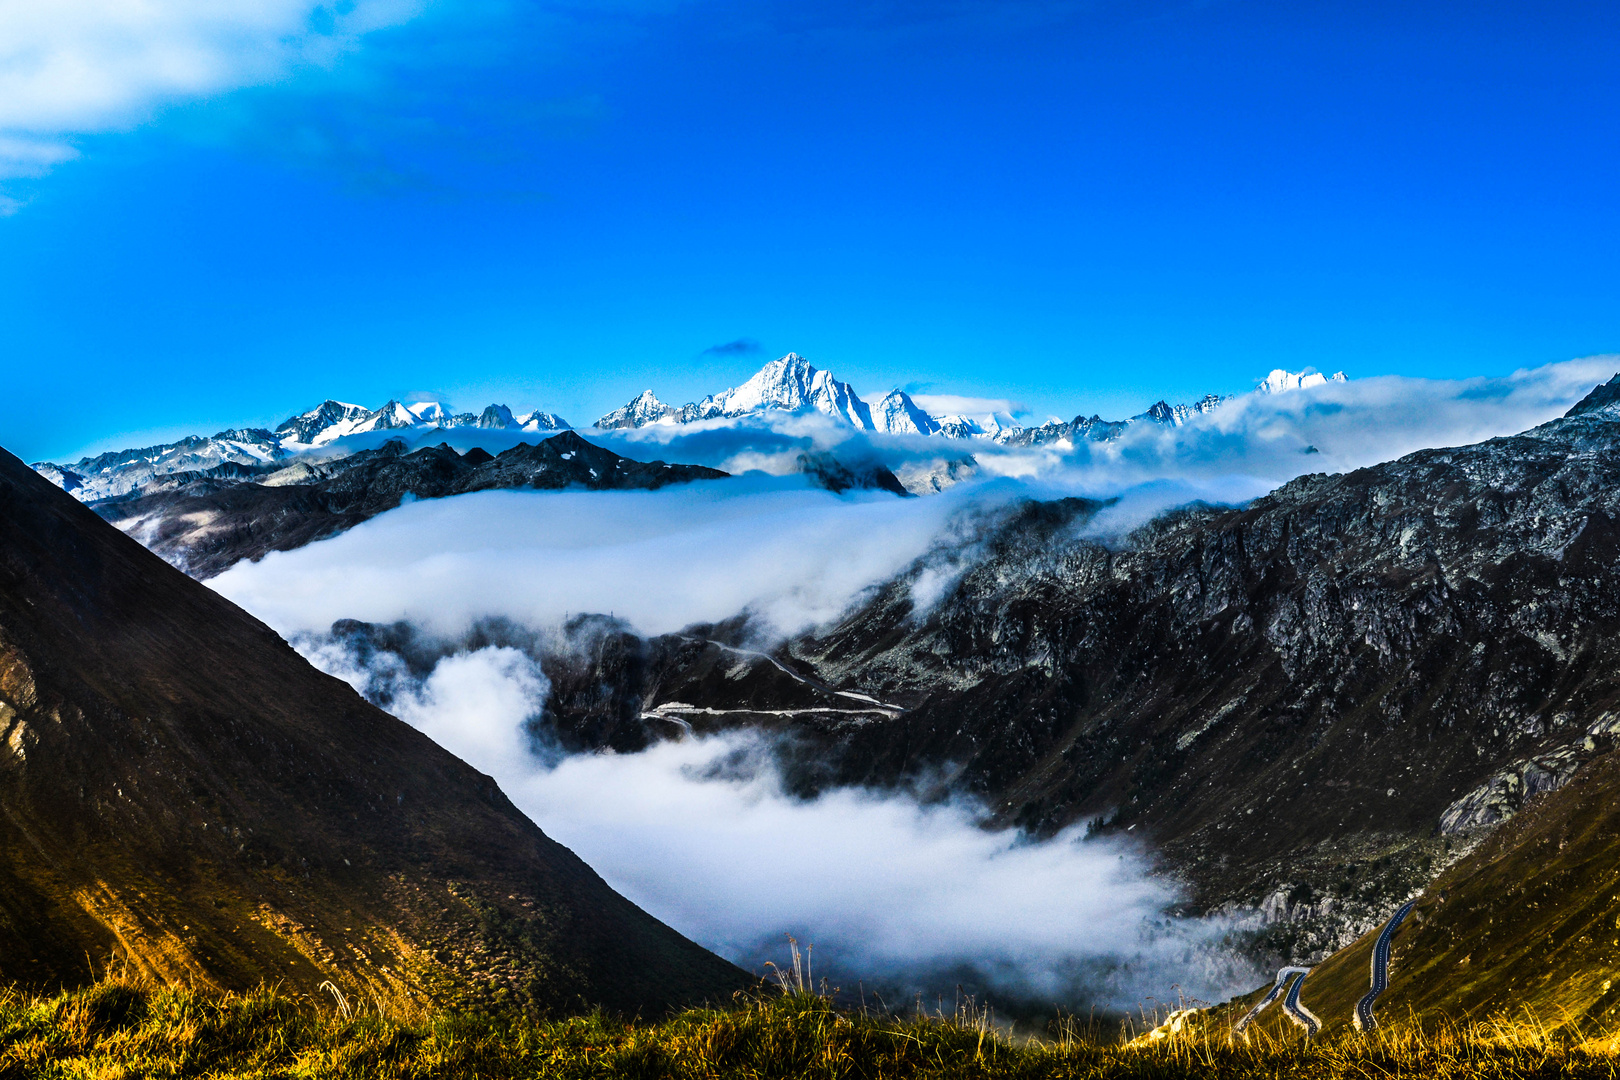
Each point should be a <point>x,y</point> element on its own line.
<point>116,1029</point>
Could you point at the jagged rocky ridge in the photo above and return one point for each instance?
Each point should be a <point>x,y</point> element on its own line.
<point>122,472</point>
<point>792,384</point>
<point>204,522</point>
<point>1310,705</point>
<point>184,796</point>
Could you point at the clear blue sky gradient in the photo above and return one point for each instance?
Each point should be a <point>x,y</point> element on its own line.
<point>1078,206</point>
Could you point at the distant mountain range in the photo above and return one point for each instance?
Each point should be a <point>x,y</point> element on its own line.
<point>203,523</point>
<point>790,384</point>
<point>121,472</point>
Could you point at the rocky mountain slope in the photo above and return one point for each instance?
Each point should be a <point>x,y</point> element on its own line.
<point>204,522</point>
<point>1310,705</point>
<point>181,791</point>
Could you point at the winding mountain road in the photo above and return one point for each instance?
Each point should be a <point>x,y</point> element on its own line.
<point>1289,981</point>
<point>815,684</point>
<point>1296,1010</point>
<point>1364,1019</point>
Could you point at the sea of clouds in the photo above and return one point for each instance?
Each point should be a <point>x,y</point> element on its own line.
<point>898,891</point>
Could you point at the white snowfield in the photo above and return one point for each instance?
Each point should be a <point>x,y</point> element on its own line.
<point>1280,381</point>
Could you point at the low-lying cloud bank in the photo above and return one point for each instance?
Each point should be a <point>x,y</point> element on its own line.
<point>905,896</point>
<point>791,554</point>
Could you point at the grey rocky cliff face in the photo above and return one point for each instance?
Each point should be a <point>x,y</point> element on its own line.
<point>1300,701</point>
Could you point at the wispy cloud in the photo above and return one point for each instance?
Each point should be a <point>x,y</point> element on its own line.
<point>739,347</point>
<point>78,67</point>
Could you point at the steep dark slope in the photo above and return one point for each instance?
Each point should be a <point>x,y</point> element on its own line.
<point>1310,705</point>
<point>205,521</point>
<point>178,787</point>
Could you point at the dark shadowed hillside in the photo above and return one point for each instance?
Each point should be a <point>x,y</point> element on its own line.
<point>181,790</point>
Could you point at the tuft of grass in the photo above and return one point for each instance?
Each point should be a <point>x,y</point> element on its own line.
<point>120,1029</point>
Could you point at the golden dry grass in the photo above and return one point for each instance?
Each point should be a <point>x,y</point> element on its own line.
<point>122,1029</point>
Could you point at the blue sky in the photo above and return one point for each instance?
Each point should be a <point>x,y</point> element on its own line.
<point>1076,206</point>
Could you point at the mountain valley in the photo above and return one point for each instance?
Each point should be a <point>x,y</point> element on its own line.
<point>1310,705</point>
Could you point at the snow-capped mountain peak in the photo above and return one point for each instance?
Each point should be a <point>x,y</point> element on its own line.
<point>1280,381</point>
<point>1175,415</point>
<point>897,414</point>
<point>391,417</point>
<point>429,412</point>
<point>497,416</point>
<point>540,420</point>
<point>645,409</point>
<point>790,384</point>
<point>325,417</point>
<point>960,426</point>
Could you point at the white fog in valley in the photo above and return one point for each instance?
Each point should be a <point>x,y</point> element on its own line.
<point>662,560</point>
<point>890,891</point>
<point>700,831</point>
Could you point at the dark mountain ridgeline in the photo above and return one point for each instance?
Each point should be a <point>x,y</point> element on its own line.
<point>180,789</point>
<point>205,521</point>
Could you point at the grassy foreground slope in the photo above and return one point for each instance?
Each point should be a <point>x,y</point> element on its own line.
<point>1528,924</point>
<point>115,1030</point>
<point>182,794</point>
